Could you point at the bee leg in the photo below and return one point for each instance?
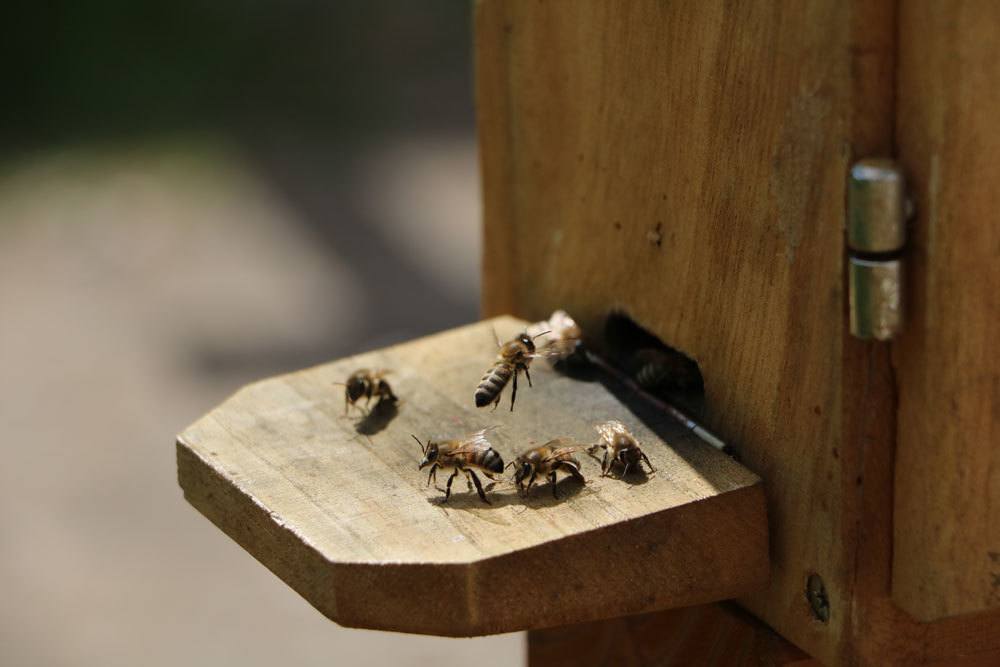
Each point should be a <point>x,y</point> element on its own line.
<point>447,492</point>
<point>432,475</point>
<point>574,472</point>
<point>646,459</point>
<point>625,472</point>
<point>513,391</point>
<point>531,483</point>
<point>526,374</point>
<point>552,481</point>
<point>479,487</point>
<point>604,464</point>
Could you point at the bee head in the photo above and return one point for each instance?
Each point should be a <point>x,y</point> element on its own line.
<point>355,388</point>
<point>430,452</point>
<point>526,340</point>
<point>522,469</point>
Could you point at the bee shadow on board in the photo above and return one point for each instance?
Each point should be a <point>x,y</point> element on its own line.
<point>378,418</point>
<point>501,494</point>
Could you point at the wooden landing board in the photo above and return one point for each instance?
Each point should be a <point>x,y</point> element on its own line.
<point>346,520</point>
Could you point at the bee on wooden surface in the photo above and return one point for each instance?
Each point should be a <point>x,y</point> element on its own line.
<point>512,359</point>
<point>565,339</point>
<point>546,461</point>
<point>465,455</point>
<point>620,447</point>
<point>368,384</point>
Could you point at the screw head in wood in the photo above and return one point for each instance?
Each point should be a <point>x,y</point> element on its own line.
<point>819,602</point>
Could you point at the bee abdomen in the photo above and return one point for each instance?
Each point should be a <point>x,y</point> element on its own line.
<point>493,462</point>
<point>492,384</point>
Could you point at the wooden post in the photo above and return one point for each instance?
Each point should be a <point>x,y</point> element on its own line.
<point>686,163</point>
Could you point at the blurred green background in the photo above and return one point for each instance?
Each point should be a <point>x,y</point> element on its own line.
<point>111,69</point>
<point>193,196</point>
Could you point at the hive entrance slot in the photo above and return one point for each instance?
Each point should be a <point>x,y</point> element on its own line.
<point>656,367</point>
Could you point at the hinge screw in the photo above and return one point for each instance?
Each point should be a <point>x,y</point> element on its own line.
<point>817,597</point>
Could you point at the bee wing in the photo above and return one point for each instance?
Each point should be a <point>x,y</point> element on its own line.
<point>563,451</point>
<point>475,441</point>
<point>609,429</point>
<point>496,337</point>
<point>538,328</point>
<point>556,443</point>
<point>563,325</point>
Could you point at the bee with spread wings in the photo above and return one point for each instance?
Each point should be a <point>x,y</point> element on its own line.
<point>619,446</point>
<point>474,452</point>
<point>513,358</point>
<point>546,461</point>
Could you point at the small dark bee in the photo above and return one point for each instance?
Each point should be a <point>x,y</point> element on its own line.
<point>620,447</point>
<point>512,359</point>
<point>659,370</point>
<point>545,461</point>
<point>463,455</point>
<point>368,384</point>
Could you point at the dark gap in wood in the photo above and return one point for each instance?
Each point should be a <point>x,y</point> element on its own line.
<point>658,368</point>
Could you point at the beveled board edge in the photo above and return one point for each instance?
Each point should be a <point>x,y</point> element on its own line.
<point>711,549</point>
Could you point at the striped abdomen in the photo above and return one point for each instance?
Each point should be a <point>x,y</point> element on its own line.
<point>493,383</point>
<point>491,461</point>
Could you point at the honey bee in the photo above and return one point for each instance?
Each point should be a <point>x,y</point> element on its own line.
<point>513,358</point>
<point>619,446</point>
<point>368,384</point>
<point>464,455</point>
<point>668,371</point>
<point>565,339</point>
<point>545,461</point>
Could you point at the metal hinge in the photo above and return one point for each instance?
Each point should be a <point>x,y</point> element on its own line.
<point>877,210</point>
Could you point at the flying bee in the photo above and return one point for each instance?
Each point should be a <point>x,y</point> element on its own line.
<point>620,447</point>
<point>565,339</point>
<point>512,359</point>
<point>368,384</point>
<point>464,455</point>
<point>546,461</point>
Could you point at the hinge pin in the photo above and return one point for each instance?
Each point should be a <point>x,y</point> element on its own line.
<point>877,211</point>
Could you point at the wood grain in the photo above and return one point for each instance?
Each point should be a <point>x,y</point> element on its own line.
<point>947,506</point>
<point>717,634</point>
<point>347,521</point>
<point>726,133</point>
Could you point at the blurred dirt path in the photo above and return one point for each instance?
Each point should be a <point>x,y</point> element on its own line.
<point>137,289</point>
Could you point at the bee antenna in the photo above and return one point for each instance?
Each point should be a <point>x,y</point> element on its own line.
<point>508,465</point>
<point>342,384</point>
<point>541,334</point>
<point>422,448</point>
